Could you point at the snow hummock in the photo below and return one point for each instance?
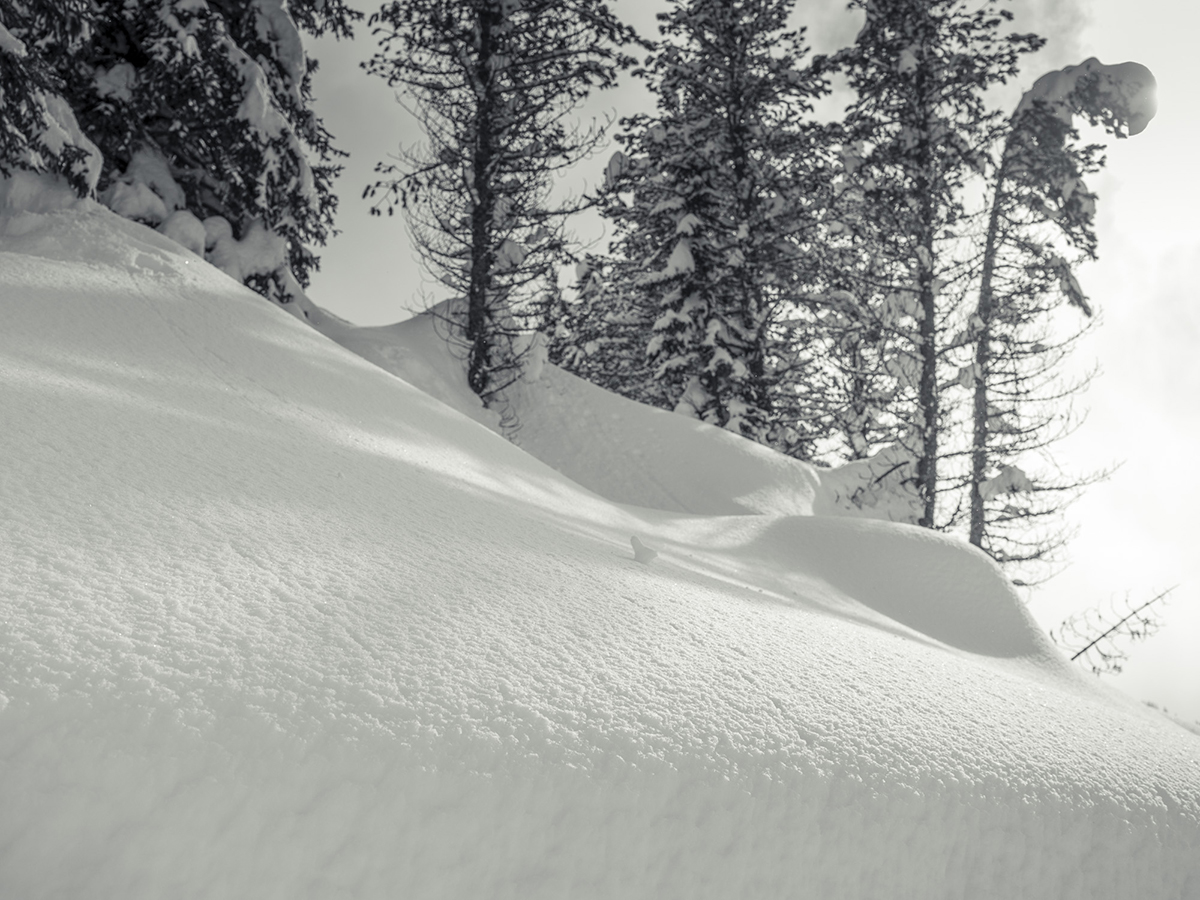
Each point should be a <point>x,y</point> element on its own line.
<point>260,251</point>
<point>279,624</point>
<point>146,191</point>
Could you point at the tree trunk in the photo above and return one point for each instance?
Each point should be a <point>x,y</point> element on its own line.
<point>928,400</point>
<point>979,437</point>
<point>479,312</point>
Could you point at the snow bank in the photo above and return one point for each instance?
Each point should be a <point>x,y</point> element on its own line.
<point>625,451</point>
<point>278,624</point>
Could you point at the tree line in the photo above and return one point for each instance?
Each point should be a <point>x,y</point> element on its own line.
<point>901,279</point>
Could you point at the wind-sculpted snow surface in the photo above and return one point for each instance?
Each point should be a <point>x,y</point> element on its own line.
<point>277,624</point>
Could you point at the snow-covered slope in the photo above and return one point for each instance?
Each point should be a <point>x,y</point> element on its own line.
<point>625,451</point>
<point>622,450</point>
<point>274,623</point>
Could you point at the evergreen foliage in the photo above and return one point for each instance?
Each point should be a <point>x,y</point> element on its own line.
<point>196,105</point>
<point>31,136</point>
<point>713,200</point>
<point>917,133</point>
<point>1041,224</point>
<point>492,83</point>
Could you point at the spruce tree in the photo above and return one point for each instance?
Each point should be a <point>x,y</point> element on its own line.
<point>32,137</point>
<point>915,137</point>
<point>198,108</point>
<point>493,83</point>
<point>712,201</point>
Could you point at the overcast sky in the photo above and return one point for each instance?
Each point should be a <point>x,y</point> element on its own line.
<point>1137,531</point>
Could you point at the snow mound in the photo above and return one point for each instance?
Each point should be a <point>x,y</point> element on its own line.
<point>625,451</point>
<point>278,624</point>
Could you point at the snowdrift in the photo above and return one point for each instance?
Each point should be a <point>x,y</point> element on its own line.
<point>625,451</point>
<point>278,624</point>
<point>622,450</point>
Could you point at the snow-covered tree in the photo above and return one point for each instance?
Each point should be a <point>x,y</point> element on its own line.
<point>712,200</point>
<point>1041,223</point>
<point>38,130</point>
<point>914,139</point>
<point>493,83</point>
<point>202,113</point>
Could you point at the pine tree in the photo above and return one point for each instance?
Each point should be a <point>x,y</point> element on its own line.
<point>712,203</point>
<point>202,113</point>
<point>493,83</point>
<point>1040,225</point>
<point>32,109</point>
<point>914,139</point>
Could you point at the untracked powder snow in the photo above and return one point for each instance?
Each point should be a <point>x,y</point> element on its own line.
<point>277,623</point>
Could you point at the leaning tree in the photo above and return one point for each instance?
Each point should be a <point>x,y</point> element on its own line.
<point>915,138</point>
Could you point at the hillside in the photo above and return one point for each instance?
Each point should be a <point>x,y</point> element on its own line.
<point>277,623</point>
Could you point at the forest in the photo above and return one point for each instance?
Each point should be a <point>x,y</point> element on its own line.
<point>895,286</point>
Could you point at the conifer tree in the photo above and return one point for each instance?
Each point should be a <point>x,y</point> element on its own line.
<point>712,200</point>
<point>32,109</point>
<point>1041,223</point>
<point>493,83</point>
<point>201,111</point>
<point>915,136</point>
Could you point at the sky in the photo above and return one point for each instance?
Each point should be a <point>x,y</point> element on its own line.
<point>1137,531</point>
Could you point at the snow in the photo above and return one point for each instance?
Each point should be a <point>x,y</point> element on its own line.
<point>146,191</point>
<point>117,82</point>
<point>1010,480</point>
<point>186,230</point>
<point>9,43</point>
<point>38,192</point>
<point>275,24</point>
<point>680,262</point>
<point>1126,89</point>
<point>259,252</point>
<point>62,129</point>
<point>277,623</point>
<point>618,165</point>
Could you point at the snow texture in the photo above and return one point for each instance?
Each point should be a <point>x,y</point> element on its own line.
<point>146,191</point>
<point>259,252</point>
<point>278,624</point>
<point>10,44</point>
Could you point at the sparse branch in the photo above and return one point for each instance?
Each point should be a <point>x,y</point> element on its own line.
<point>1092,635</point>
